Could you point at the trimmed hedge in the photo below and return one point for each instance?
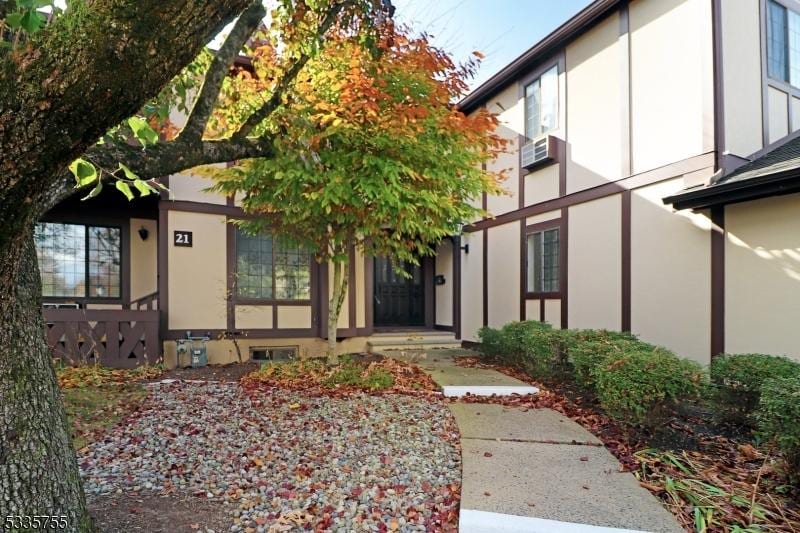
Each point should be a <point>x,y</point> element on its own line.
<point>779,418</point>
<point>587,349</point>
<point>738,380</point>
<point>639,385</point>
<point>528,345</point>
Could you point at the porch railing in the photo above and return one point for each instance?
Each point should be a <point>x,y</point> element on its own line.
<point>147,302</point>
<point>114,338</point>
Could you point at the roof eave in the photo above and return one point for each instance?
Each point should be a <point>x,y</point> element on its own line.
<point>538,52</point>
<point>738,191</point>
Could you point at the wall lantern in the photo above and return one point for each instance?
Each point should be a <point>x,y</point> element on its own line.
<point>144,233</point>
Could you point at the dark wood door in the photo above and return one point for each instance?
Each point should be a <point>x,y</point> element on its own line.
<point>399,301</point>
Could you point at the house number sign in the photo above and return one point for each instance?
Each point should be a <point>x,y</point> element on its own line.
<point>182,238</point>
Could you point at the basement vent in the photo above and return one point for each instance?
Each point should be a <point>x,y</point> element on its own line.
<point>273,353</point>
<point>537,151</point>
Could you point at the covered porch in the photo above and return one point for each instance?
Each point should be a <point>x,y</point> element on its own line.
<point>98,266</point>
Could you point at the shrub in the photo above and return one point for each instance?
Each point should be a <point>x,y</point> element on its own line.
<point>587,349</point>
<point>778,418</point>
<point>638,385</point>
<point>491,343</point>
<point>738,380</point>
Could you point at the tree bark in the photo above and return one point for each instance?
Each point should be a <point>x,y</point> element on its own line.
<point>341,271</point>
<point>38,469</point>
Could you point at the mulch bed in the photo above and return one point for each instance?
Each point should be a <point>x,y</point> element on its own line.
<point>710,480</point>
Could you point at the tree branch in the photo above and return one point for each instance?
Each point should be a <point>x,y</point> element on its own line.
<point>289,76</point>
<point>218,70</point>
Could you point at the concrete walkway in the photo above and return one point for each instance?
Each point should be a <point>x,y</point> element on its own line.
<point>535,470</point>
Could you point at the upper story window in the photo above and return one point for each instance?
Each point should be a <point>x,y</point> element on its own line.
<point>268,268</point>
<point>783,43</point>
<point>542,261</point>
<point>541,104</point>
<point>79,261</point>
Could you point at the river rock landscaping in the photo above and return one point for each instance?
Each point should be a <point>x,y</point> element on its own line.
<point>276,460</point>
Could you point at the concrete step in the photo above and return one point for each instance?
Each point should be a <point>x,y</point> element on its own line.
<point>411,344</point>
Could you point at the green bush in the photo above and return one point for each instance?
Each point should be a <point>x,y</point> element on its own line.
<point>738,380</point>
<point>588,348</point>
<point>778,418</point>
<point>639,385</point>
<point>491,343</point>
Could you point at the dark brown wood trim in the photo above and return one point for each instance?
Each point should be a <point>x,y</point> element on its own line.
<point>626,261</point>
<point>521,171</point>
<point>457,286</point>
<point>324,299</point>
<point>162,275</point>
<point>719,85</point>
<point>563,282</point>
<point>601,191</point>
<point>205,208</point>
<point>351,290</point>
<point>625,92</point>
<point>718,236</point>
<point>523,270</point>
<point>428,273</point>
<point>542,226</point>
<point>762,26</point>
<point>265,302</point>
<point>543,295</point>
<point>439,327</point>
<point>275,317</point>
<point>369,293</point>
<point>230,264</point>
<point>175,334</point>
<point>541,310</point>
<point>486,277</point>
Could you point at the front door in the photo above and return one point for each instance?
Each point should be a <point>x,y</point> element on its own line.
<point>399,301</point>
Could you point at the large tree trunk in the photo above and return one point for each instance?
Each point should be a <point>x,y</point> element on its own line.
<point>341,271</point>
<point>38,468</point>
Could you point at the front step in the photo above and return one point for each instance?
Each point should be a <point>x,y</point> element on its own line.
<point>412,340</point>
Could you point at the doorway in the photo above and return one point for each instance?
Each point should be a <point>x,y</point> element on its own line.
<point>399,300</point>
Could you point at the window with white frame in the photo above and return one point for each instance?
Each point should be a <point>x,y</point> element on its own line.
<point>542,261</point>
<point>541,104</point>
<point>783,43</point>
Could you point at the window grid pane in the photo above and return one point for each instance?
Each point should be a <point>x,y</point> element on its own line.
<point>104,262</point>
<point>292,272</point>
<point>794,48</point>
<point>269,268</point>
<point>61,251</point>
<point>541,105</point>
<point>776,41</point>
<point>542,253</point>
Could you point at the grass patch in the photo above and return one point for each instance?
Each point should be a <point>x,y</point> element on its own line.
<point>92,410</point>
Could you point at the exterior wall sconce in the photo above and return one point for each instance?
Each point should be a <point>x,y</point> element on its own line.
<point>144,233</point>
<point>465,248</point>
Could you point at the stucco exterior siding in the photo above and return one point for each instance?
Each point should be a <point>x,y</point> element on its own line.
<point>595,264</point>
<point>144,258</point>
<point>510,111</point>
<point>542,185</point>
<point>552,313</point>
<point>503,274</point>
<point>190,188</point>
<point>253,317</point>
<point>543,217</point>
<point>670,273</point>
<point>444,293</point>
<point>198,274</point>
<point>296,316</point>
<point>533,309</point>
<point>472,286</point>
<point>762,276</point>
<point>741,70</point>
<point>778,113</point>
<point>671,81</point>
<point>594,96</point>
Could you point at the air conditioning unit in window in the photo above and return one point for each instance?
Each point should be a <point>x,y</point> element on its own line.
<point>538,151</point>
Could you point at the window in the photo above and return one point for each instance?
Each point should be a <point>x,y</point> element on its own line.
<point>542,261</point>
<point>78,261</point>
<point>783,44</point>
<point>541,104</point>
<point>269,268</point>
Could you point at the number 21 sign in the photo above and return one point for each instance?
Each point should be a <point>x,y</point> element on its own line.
<point>182,238</point>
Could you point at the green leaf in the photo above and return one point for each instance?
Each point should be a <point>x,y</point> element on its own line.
<point>128,172</point>
<point>31,21</point>
<point>14,20</point>
<point>84,172</point>
<point>143,187</point>
<point>125,189</point>
<point>94,192</point>
<point>142,131</point>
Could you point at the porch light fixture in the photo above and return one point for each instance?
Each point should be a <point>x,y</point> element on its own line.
<point>144,233</point>
<point>465,248</point>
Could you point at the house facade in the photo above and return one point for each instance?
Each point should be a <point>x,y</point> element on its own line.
<point>622,120</point>
<point>652,189</point>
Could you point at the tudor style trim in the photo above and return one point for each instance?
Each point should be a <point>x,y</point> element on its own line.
<point>718,237</point>
<point>626,261</point>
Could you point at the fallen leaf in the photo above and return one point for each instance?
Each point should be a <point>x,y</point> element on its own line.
<point>487,493</point>
<point>487,454</point>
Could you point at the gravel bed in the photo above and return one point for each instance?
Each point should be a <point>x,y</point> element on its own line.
<point>281,461</point>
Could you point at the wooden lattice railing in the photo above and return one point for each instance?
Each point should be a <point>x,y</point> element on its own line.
<point>114,338</point>
<point>148,302</point>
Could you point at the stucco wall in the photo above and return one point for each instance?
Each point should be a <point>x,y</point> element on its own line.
<point>472,286</point>
<point>504,273</point>
<point>595,264</point>
<point>541,185</point>
<point>671,81</point>
<point>197,275</point>
<point>741,70</point>
<point>594,130</point>
<point>552,312</point>
<point>444,293</point>
<point>190,188</point>
<point>762,276</point>
<point>253,317</point>
<point>296,316</point>
<point>670,273</point>
<point>144,258</point>
<point>778,114</point>
<point>510,111</point>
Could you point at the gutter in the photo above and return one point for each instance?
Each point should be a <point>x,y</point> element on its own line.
<point>785,182</point>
